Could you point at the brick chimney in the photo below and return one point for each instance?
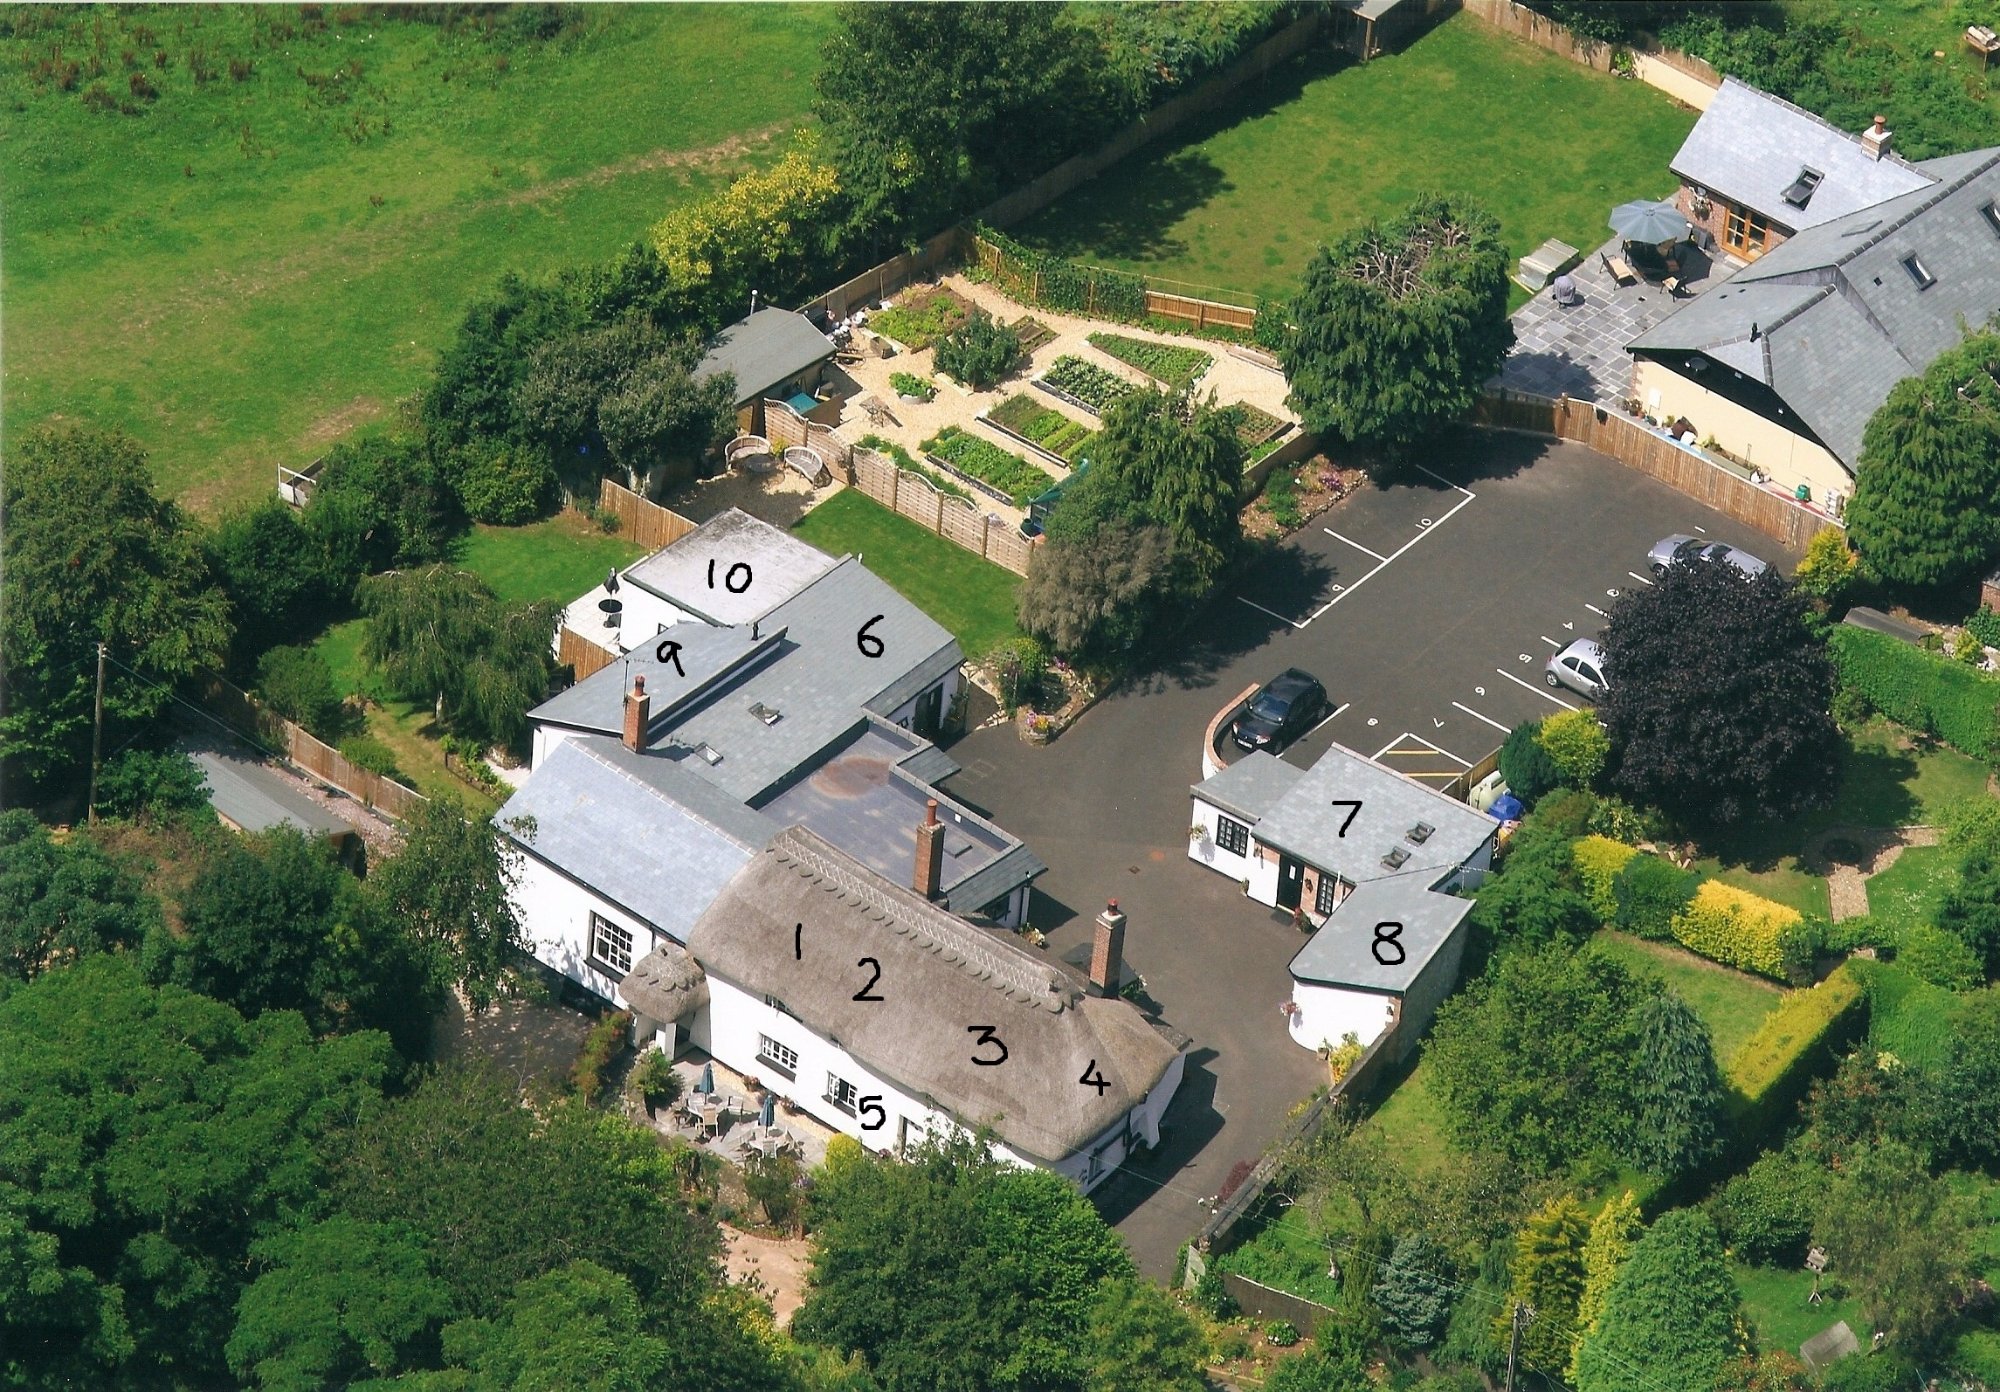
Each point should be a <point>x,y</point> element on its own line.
<point>1875,140</point>
<point>930,852</point>
<point>638,710</point>
<point>1107,952</point>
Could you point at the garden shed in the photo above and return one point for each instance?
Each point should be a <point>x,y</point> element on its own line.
<point>774,355</point>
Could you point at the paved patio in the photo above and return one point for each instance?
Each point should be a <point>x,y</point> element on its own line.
<point>729,1133</point>
<point>1579,350</point>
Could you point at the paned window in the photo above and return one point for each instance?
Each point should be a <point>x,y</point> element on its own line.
<point>610,944</point>
<point>785,1060</point>
<point>1329,894</point>
<point>1746,233</point>
<point>840,1092</point>
<point>1232,836</point>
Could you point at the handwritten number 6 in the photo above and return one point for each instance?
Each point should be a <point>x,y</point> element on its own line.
<point>870,645</point>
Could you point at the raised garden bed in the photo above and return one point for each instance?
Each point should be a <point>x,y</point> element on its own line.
<point>1084,384</point>
<point>992,470</point>
<point>1032,332</point>
<point>906,461</point>
<point>1043,427</point>
<point>911,387</point>
<point>1253,426</point>
<point>921,318</point>
<point>1177,368</point>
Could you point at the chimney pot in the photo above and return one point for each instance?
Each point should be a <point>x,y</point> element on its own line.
<point>638,714</point>
<point>1107,952</point>
<point>1876,139</point>
<point>929,869</point>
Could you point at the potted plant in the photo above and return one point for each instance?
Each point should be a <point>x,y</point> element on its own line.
<point>658,1083</point>
<point>912,388</point>
<point>1197,833</point>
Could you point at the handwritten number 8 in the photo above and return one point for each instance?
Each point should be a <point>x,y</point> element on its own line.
<point>1387,937</point>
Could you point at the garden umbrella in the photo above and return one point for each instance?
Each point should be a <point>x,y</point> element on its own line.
<point>769,1118</point>
<point>707,1083</point>
<point>1646,221</point>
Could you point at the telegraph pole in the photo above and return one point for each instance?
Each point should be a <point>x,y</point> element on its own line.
<point>97,737</point>
<point>1521,1313</point>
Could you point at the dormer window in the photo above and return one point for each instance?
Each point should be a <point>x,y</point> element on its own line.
<point>1992,216</point>
<point>1801,191</point>
<point>1919,273</point>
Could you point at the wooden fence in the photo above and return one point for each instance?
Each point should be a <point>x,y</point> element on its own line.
<point>584,654</point>
<point>877,283</point>
<point>1636,446</point>
<point>1200,313</point>
<point>1538,29</point>
<point>647,523</point>
<point>915,497</point>
<point>304,750</point>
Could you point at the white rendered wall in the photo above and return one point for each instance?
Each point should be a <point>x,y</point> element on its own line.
<point>1263,876</point>
<point>1327,1013</point>
<point>555,911</point>
<point>949,684</point>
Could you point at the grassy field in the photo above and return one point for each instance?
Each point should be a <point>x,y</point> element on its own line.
<point>1245,195</point>
<point>246,270</point>
<point>972,597</point>
<point>1730,1003</point>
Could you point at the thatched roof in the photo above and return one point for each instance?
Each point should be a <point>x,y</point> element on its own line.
<point>940,978</point>
<point>666,983</point>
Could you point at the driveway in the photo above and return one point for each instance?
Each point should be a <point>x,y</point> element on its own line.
<point>1427,609</point>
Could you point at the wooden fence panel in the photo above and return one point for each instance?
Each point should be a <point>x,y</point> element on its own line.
<point>964,523</point>
<point>306,751</point>
<point>575,650</point>
<point>1199,313</point>
<point>919,500</point>
<point>783,426</point>
<point>646,522</point>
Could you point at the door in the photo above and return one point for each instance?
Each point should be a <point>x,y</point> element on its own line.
<point>1291,881</point>
<point>1746,233</point>
<point>929,715</point>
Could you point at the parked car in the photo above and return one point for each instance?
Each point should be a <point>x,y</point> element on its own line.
<point>1681,547</point>
<point>1284,708</point>
<point>1580,667</point>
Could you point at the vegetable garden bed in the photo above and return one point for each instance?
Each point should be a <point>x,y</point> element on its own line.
<point>1084,384</point>
<point>910,464</point>
<point>1032,332</point>
<point>992,470</point>
<point>1044,427</point>
<point>1177,368</point>
<point>922,318</point>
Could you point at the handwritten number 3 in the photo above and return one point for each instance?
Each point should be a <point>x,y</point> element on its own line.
<point>987,1036</point>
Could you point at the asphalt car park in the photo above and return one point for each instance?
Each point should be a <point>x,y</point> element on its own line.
<point>1427,609</point>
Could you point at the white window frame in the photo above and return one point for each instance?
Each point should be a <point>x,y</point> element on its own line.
<point>842,1093</point>
<point>1328,896</point>
<point>783,1057</point>
<point>1228,828</point>
<point>600,926</point>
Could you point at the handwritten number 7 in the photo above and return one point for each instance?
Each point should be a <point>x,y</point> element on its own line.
<point>1353,807</point>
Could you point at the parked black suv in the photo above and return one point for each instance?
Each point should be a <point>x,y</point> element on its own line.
<point>1283,709</point>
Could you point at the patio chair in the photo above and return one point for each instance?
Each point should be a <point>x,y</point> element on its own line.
<point>1617,268</point>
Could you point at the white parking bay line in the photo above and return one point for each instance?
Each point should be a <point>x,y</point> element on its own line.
<point>1275,614</point>
<point>1469,496</point>
<point>1462,763</point>
<point>1532,687</point>
<point>1637,576</point>
<point>1477,716</point>
<point>1355,544</point>
<point>1377,755</point>
<point>1445,481</point>
<point>1597,611</point>
<point>1323,719</point>
<point>1550,641</point>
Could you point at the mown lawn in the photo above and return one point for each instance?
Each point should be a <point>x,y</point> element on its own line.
<point>1909,892</point>
<point>246,270</point>
<point>1410,1124</point>
<point>557,559</point>
<point>1246,194</point>
<point>1731,1003</point>
<point>972,597</point>
<point>1775,1303</point>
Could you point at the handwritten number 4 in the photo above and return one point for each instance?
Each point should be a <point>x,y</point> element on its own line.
<point>1092,1078</point>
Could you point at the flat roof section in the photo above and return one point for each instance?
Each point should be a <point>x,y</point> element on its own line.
<point>731,569</point>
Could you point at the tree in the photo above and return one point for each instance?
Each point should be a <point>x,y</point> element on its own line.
<point>449,888</point>
<point>377,502</point>
<point>1320,1371</point>
<point>663,417</point>
<point>273,575</point>
<point>1676,1099</point>
<point>440,634</point>
<point>163,783</point>
<point>1900,1238</point>
<point>1095,597</point>
<point>1670,1311</point>
<point>1577,745</point>
<point>1612,1232</point>
<point>576,1327</point>
<point>1535,1059</point>
<point>1765,1213</point>
<point>1525,764</point>
<point>1547,1276</point>
<point>1719,696</point>
<point>1395,327</point>
<point>953,1272</point>
<point>297,683</point>
<point>1971,908</point>
<point>1922,510</point>
<point>91,555</point>
<point>979,352</point>
<point>1414,1291</point>
<point>1181,464</point>
<point>61,903</point>
<point>335,1302</point>
<point>150,1137</point>
<point>1140,1341</point>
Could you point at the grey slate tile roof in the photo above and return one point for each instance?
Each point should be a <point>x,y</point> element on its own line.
<point>1749,147</point>
<point>253,797</point>
<point>1343,952</point>
<point>780,566</point>
<point>598,701</point>
<point>1304,822</point>
<point>769,347</point>
<point>1830,320</point>
<point>635,828</point>
<point>1250,787</point>
<point>939,975</point>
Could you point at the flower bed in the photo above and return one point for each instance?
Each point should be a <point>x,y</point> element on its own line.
<point>1178,368</point>
<point>922,318</point>
<point>990,469</point>
<point>1084,384</point>
<point>1027,419</point>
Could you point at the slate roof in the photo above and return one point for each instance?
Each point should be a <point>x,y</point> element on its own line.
<point>636,828</point>
<point>780,566</point>
<point>598,701</point>
<point>939,975</point>
<point>1831,320</point>
<point>763,350</point>
<point>1251,786</point>
<point>1749,147</point>
<point>1342,953</point>
<point>247,794</point>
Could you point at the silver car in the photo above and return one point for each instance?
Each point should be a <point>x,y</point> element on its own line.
<point>1580,667</point>
<point>1681,547</point>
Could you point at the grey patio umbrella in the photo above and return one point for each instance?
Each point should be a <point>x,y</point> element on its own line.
<point>1645,221</point>
<point>769,1117</point>
<point>707,1083</point>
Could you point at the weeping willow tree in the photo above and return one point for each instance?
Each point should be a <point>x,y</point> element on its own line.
<point>439,635</point>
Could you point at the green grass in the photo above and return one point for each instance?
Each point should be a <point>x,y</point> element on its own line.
<point>1242,199</point>
<point>971,597</point>
<point>407,729</point>
<point>1730,1003</point>
<point>1909,1018</point>
<point>1908,893</point>
<point>1784,882</point>
<point>557,559</point>
<point>1774,1303</point>
<point>251,312</point>
<point>1410,1124</point>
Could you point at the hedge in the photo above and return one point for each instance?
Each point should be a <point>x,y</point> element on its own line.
<point>1926,692</point>
<point>1804,1037</point>
<point>1598,859</point>
<point>1037,278</point>
<point>1648,893</point>
<point>1739,929</point>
